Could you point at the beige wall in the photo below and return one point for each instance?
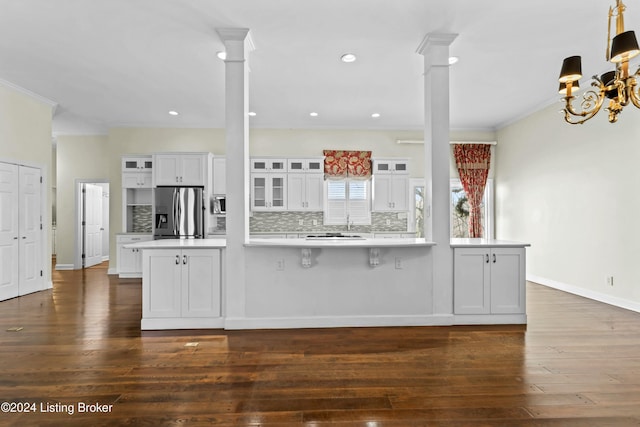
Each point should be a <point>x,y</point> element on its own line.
<point>25,138</point>
<point>78,158</point>
<point>569,191</point>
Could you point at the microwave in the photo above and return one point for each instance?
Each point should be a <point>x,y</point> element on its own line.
<point>219,204</point>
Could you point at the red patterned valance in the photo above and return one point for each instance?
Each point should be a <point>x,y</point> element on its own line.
<point>339,164</point>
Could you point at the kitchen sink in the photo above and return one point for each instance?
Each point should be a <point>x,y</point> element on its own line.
<point>334,236</point>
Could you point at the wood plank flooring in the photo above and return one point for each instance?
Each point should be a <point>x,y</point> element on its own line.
<point>577,363</point>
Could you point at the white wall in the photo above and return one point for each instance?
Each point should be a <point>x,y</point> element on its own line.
<point>568,190</point>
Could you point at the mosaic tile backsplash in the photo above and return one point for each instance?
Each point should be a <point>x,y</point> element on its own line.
<point>278,222</point>
<point>141,219</point>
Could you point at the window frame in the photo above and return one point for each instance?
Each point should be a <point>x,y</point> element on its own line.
<point>489,213</point>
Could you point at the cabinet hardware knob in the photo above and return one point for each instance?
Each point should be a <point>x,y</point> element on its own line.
<point>494,258</point>
<point>487,256</point>
<point>177,259</point>
<point>184,259</point>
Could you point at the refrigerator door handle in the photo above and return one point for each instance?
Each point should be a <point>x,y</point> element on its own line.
<point>176,212</point>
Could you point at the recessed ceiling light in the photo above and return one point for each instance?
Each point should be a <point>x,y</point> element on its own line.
<point>348,57</point>
<point>453,60</point>
<point>252,113</point>
<point>222,55</point>
<point>375,115</point>
<point>173,113</point>
<point>313,114</point>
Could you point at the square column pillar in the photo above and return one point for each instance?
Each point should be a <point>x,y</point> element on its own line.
<point>238,44</point>
<point>435,49</point>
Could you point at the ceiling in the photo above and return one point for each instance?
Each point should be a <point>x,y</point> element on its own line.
<point>114,63</point>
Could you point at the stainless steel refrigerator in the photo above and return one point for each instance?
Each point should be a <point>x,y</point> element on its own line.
<point>179,213</point>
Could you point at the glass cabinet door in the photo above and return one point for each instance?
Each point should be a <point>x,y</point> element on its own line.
<point>277,192</point>
<point>259,192</point>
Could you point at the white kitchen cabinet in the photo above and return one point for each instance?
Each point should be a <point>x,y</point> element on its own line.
<point>130,260</point>
<point>390,193</point>
<point>181,283</point>
<point>268,192</point>
<point>489,280</point>
<point>219,175</point>
<point>139,163</point>
<point>306,165</point>
<point>390,166</point>
<point>304,191</point>
<point>137,179</point>
<point>180,169</point>
<point>268,164</point>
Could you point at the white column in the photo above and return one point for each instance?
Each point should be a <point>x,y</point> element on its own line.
<point>238,44</point>
<point>435,48</point>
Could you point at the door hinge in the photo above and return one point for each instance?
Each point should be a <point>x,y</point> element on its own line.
<point>83,256</point>
<point>83,223</point>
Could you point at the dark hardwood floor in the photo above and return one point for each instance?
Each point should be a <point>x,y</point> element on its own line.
<point>80,349</point>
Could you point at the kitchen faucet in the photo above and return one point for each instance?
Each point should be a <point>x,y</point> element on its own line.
<point>349,223</point>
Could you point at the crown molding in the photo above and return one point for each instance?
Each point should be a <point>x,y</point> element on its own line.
<point>33,95</point>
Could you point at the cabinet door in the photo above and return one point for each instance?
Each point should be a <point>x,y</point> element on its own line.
<point>259,191</point>
<point>471,276</point>
<point>314,191</point>
<point>201,283</point>
<point>219,176</point>
<point>400,193</point>
<point>128,261</point>
<point>161,283</point>
<point>193,169</point>
<point>167,169</point>
<point>382,189</point>
<point>507,280</point>
<point>278,184</point>
<point>296,191</point>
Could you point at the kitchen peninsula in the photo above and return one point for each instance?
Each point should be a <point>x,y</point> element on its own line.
<point>330,281</point>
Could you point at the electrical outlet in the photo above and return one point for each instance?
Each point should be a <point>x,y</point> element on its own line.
<point>301,222</point>
<point>398,263</point>
<point>280,265</point>
<point>315,222</point>
<point>388,222</point>
<point>610,280</point>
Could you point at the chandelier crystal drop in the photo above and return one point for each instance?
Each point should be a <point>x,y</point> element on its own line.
<point>617,86</point>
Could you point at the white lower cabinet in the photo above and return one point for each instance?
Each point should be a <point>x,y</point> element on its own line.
<point>181,283</point>
<point>489,281</point>
<point>130,260</point>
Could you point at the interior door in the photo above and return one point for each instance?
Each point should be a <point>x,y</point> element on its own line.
<point>93,225</point>
<point>30,230</point>
<point>9,232</point>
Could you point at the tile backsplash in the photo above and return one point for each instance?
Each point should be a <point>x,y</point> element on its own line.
<point>280,222</point>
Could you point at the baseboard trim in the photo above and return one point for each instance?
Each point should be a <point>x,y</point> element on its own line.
<point>335,322</point>
<point>64,266</point>
<point>490,319</point>
<point>150,324</point>
<point>586,293</point>
<point>112,271</point>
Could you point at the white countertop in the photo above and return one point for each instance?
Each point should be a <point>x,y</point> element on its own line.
<point>179,244</point>
<point>483,243</point>
<point>340,243</point>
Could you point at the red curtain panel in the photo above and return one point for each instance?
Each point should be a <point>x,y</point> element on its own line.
<point>473,161</point>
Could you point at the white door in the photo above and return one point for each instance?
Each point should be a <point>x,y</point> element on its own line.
<point>93,225</point>
<point>30,230</point>
<point>9,232</point>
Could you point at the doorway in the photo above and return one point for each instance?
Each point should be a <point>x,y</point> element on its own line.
<point>92,223</point>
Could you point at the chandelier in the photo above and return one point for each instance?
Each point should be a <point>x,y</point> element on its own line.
<point>618,86</point>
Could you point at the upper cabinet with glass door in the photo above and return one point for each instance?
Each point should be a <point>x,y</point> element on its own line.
<point>268,165</point>
<point>383,166</point>
<point>311,165</point>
